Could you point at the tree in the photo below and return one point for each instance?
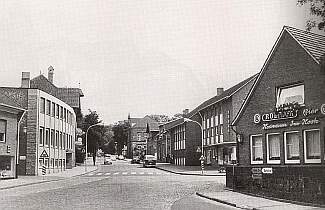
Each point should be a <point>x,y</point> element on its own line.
<point>317,10</point>
<point>120,131</point>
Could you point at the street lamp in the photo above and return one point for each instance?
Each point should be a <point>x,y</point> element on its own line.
<point>202,156</point>
<point>87,143</point>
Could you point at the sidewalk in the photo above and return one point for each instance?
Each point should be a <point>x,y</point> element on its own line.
<point>30,180</point>
<point>244,201</point>
<point>189,170</point>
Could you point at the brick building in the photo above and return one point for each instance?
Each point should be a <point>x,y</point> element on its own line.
<point>281,125</point>
<point>216,115</point>
<point>138,135</point>
<point>10,115</point>
<point>47,131</point>
<point>164,152</point>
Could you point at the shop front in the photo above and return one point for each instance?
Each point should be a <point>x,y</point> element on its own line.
<point>281,125</point>
<point>7,167</point>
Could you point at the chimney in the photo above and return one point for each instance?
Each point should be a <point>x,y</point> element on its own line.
<point>25,80</point>
<point>219,91</point>
<point>50,74</point>
<point>185,112</point>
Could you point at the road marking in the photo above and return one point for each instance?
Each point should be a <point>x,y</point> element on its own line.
<point>107,173</point>
<point>141,172</point>
<point>91,174</point>
<point>125,173</point>
<point>99,174</point>
<point>133,172</point>
<point>167,173</point>
<point>116,173</point>
<point>150,173</point>
<point>158,173</point>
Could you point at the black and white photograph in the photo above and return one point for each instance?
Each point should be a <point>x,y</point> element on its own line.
<point>162,104</point>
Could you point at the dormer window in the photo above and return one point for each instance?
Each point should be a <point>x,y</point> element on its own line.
<point>290,95</point>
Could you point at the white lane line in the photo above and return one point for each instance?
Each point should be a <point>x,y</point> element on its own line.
<point>116,173</point>
<point>99,174</point>
<point>150,173</point>
<point>91,174</point>
<point>158,173</point>
<point>107,173</point>
<point>133,172</point>
<point>167,173</point>
<point>141,173</point>
<point>125,173</point>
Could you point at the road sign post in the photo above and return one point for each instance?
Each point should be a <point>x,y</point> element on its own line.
<point>202,164</point>
<point>43,170</point>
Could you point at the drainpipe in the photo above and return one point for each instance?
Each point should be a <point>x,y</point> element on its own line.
<point>18,141</point>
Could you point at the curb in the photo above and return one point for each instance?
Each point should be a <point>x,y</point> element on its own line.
<point>45,181</point>
<point>192,174</point>
<point>224,202</point>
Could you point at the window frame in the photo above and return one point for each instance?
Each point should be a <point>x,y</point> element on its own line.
<point>253,162</point>
<point>48,107</point>
<point>4,139</point>
<point>315,160</point>
<point>41,136</point>
<point>278,91</point>
<point>268,160</point>
<point>286,160</point>
<point>42,105</point>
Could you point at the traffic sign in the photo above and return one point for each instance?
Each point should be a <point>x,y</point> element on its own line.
<point>198,150</point>
<point>44,154</point>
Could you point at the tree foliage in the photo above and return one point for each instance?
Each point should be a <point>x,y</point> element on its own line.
<point>120,131</point>
<point>317,11</point>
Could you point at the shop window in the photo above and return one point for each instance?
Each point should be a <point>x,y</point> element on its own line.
<point>290,94</point>
<point>41,135</point>
<point>291,149</point>
<point>273,148</point>
<point>48,107</point>
<point>6,166</point>
<point>3,130</point>
<point>42,106</point>
<point>312,146</point>
<point>256,149</point>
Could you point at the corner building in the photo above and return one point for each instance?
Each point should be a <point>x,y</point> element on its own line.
<point>281,125</point>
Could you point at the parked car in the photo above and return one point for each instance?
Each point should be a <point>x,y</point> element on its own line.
<point>113,157</point>
<point>135,160</point>
<point>107,159</point>
<point>120,157</point>
<point>149,161</point>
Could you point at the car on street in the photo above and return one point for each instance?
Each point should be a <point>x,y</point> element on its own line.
<point>149,161</point>
<point>113,157</point>
<point>120,157</point>
<point>135,160</point>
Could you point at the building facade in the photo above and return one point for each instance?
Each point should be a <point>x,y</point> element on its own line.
<point>164,152</point>
<point>10,116</point>
<point>217,113</point>
<point>138,135</point>
<point>281,125</point>
<point>48,130</point>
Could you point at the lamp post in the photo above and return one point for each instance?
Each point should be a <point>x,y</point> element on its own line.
<point>202,156</point>
<point>87,143</point>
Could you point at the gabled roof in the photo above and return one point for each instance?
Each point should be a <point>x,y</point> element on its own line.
<point>171,124</point>
<point>142,123</point>
<point>313,44</point>
<point>7,101</point>
<point>225,95</point>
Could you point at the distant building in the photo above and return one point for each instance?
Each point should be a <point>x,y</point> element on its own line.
<point>138,135</point>
<point>281,125</point>
<point>49,125</point>
<point>10,116</point>
<point>216,115</point>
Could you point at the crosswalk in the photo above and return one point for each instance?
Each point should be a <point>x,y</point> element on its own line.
<point>125,173</point>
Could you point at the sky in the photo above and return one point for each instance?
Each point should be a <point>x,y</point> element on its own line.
<point>141,57</point>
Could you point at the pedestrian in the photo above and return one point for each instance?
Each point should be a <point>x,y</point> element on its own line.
<point>94,159</point>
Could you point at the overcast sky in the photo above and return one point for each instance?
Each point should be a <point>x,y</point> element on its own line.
<point>141,56</point>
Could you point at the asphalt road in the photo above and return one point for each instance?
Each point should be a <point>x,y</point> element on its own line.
<point>117,186</point>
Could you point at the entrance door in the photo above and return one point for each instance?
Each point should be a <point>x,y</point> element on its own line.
<point>69,160</point>
<point>209,157</point>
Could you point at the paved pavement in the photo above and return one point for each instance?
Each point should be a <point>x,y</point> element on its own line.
<point>189,170</point>
<point>30,180</point>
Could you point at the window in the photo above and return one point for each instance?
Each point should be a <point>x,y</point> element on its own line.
<point>290,94</point>
<point>41,135</point>
<point>53,110</point>
<point>221,118</point>
<point>47,136</point>
<point>65,114</point>
<point>42,106</point>
<point>60,140</point>
<point>52,137</point>
<point>256,149</point>
<point>48,107</point>
<point>312,146</point>
<point>273,148</point>
<point>3,130</point>
<point>56,138</point>
<point>57,111</point>
<point>61,112</point>
<point>291,148</point>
